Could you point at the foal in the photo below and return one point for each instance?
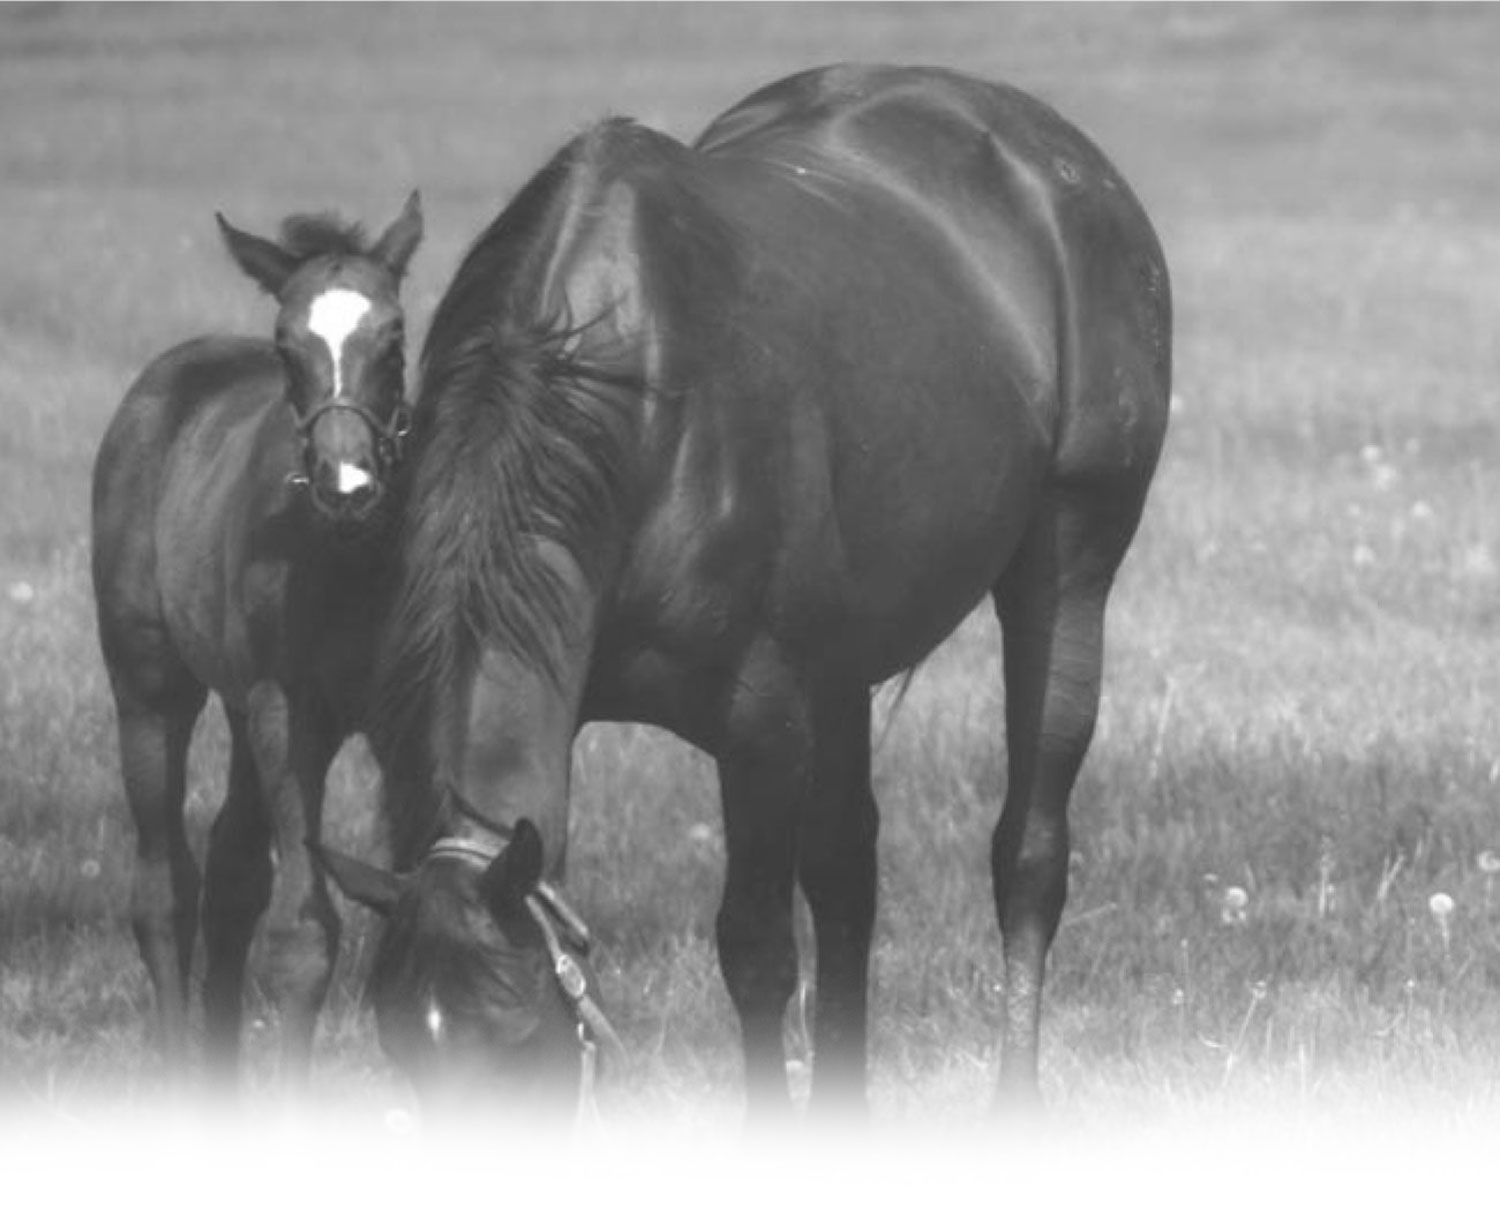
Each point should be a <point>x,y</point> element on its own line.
<point>243,498</point>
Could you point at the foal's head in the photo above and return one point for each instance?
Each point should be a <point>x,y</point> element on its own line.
<point>481,981</point>
<point>340,335</point>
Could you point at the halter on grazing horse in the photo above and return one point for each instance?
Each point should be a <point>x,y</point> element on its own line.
<point>244,499</point>
<point>717,438</point>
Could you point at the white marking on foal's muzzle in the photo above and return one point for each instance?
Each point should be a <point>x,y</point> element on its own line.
<point>351,478</point>
<point>333,318</point>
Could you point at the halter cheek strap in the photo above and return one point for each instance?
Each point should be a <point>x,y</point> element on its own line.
<point>593,1026</point>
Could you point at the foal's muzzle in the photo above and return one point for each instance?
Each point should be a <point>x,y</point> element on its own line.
<point>348,471</point>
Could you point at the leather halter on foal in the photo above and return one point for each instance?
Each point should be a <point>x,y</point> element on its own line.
<point>389,436</point>
<point>552,912</point>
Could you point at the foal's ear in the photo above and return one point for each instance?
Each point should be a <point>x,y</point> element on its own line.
<point>515,872</point>
<point>394,248</point>
<point>375,888</point>
<point>269,264</point>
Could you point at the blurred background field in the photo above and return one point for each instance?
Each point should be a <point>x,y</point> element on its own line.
<point>1288,831</point>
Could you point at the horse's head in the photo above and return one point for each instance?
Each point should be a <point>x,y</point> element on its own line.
<point>481,983</point>
<point>341,337</point>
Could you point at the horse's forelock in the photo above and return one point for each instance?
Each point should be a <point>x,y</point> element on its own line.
<point>323,234</point>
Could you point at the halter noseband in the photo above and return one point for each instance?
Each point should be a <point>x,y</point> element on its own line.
<point>551,911</point>
<point>389,434</point>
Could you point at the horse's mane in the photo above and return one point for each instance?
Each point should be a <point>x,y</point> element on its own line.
<point>323,234</point>
<point>521,441</point>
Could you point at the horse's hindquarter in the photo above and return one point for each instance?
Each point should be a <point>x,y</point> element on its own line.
<point>1062,247</point>
<point>892,387</point>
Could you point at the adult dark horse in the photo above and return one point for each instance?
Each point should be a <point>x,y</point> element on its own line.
<point>242,512</point>
<point>722,436</point>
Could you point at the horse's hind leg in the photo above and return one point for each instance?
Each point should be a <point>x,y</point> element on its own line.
<point>156,702</point>
<point>237,887</point>
<point>1051,604</point>
<point>837,871</point>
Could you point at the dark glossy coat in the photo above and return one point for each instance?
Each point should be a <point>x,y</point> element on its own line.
<point>242,515</point>
<point>721,436</point>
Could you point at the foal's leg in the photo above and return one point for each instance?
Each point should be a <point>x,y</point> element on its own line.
<point>1051,605</point>
<point>294,743</point>
<point>762,771</point>
<point>156,706</point>
<point>837,869</point>
<point>237,888</point>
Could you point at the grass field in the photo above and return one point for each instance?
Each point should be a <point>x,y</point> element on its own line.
<point>1299,746</point>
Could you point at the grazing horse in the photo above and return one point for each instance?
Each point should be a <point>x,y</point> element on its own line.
<point>243,503</point>
<point>719,437</point>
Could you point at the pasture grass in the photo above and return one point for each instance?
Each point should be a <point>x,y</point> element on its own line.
<point>1298,746</point>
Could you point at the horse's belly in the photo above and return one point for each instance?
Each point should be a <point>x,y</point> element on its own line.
<point>897,607</point>
<point>928,518</point>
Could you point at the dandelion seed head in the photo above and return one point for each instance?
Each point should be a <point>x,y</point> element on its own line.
<point>1488,862</point>
<point>89,870</point>
<point>1441,906</point>
<point>1236,900</point>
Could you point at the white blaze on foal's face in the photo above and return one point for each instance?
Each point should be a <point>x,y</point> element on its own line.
<point>333,317</point>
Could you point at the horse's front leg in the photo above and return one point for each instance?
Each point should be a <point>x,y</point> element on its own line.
<point>763,773</point>
<point>294,741</point>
